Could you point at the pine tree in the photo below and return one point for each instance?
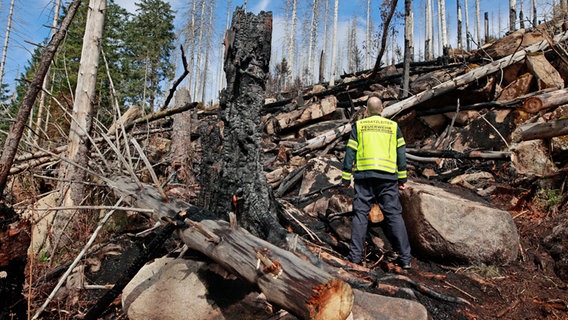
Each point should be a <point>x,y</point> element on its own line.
<point>152,49</point>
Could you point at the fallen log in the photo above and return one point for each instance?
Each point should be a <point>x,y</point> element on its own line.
<point>469,77</point>
<point>286,280</point>
<point>460,155</point>
<point>532,131</point>
<point>513,103</point>
<point>290,180</point>
<point>546,75</point>
<point>322,140</point>
<point>161,114</point>
<point>546,100</point>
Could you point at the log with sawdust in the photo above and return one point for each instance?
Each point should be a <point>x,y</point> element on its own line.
<point>469,77</point>
<point>550,129</point>
<point>546,100</point>
<point>286,280</point>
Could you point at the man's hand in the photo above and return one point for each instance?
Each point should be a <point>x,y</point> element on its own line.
<point>401,186</point>
<point>346,183</point>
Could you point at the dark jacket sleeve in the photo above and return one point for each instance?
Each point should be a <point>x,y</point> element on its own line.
<point>401,156</point>
<point>350,153</point>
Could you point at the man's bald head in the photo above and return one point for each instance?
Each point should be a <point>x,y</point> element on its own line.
<point>374,105</point>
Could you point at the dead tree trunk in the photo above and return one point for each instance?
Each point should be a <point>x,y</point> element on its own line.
<point>287,281</point>
<point>73,193</point>
<point>408,48</point>
<point>15,134</point>
<point>550,129</point>
<point>546,100</point>
<point>234,170</point>
<point>384,37</point>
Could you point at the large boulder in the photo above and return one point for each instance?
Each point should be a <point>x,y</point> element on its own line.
<point>181,289</point>
<point>451,228</point>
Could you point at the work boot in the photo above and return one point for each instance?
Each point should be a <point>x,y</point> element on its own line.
<point>404,265</point>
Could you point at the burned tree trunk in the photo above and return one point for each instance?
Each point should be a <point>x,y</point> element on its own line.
<point>239,174</point>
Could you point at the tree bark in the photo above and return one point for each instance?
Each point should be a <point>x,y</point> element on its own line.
<point>16,130</point>
<point>73,193</point>
<point>287,281</point>
<point>460,41</point>
<point>233,169</point>
<point>468,77</point>
<point>408,48</point>
<point>384,38</point>
<point>512,15</point>
<point>298,117</point>
<point>334,45</point>
<point>6,39</point>
<point>323,139</point>
<point>428,41</point>
<point>478,23</point>
<point>546,101</point>
<point>532,131</point>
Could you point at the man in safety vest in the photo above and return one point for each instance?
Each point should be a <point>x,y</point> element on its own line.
<point>376,154</point>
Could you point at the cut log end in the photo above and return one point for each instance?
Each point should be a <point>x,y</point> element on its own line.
<point>532,105</point>
<point>331,300</point>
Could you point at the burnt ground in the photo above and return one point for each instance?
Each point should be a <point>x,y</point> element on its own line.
<point>529,288</point>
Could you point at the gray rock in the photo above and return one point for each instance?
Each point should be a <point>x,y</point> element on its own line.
<point>368,306</point>
<point>447,227</point>
<point>181,289</point>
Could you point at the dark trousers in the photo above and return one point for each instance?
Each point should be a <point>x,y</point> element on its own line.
<point>386,193</point>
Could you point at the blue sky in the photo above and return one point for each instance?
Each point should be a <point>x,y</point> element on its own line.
<point>31,19</point>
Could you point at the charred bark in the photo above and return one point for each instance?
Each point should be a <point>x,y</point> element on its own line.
<point>14,240</point>
<point>238,171</point>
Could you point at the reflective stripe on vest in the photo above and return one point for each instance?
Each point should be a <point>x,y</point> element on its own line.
<point>377,144</point>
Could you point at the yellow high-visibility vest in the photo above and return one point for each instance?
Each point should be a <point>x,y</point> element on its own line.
<point>377,144</point>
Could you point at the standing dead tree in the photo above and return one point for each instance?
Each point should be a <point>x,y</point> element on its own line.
<point>17,129</point>
<point>73,192</point>
<point>233,178</point>
<point>386,25</point>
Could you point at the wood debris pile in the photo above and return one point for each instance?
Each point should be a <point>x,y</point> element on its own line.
<point>491,123</point>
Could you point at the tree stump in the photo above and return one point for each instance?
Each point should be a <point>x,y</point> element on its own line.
<point>233,170</point>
